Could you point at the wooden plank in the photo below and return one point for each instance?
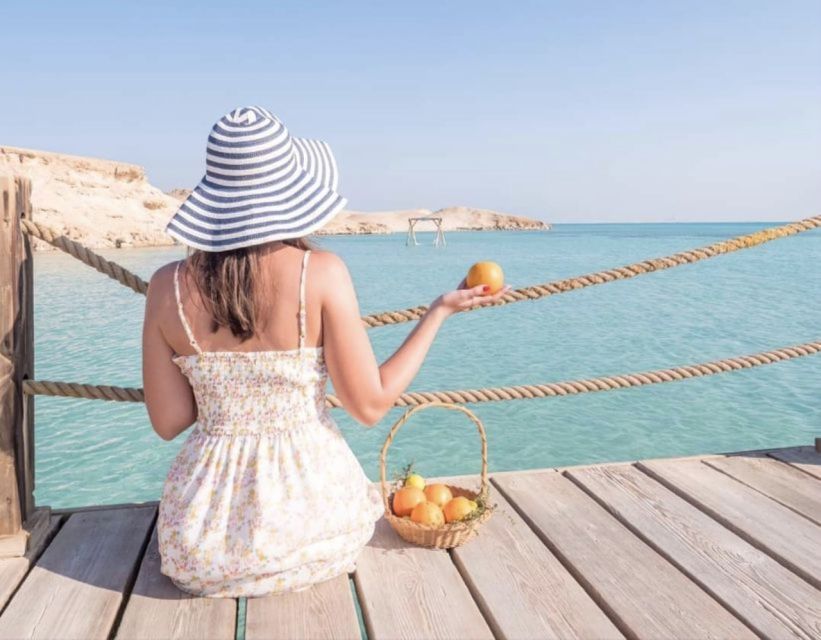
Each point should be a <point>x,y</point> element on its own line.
<point>25,441</point>
<point>521,587</point>
<point>644,595</point>
<point>760,591</point>
<point>768,525</point>
<point>781,482</point>
<point>326,611</point>
<point>585,465</point>
<point>77,585</point>
<point>16,546</point>
<point>807,459</point>
<point>13,570</point>
<point>106,507</point>
<point>407,591</point>
<point>12,360</point>
<point>158,610</point>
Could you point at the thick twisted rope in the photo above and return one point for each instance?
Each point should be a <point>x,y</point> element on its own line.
<point>86,255</point>
<point>619,273</point>
<point>132,281</point>
<point>82,390</point>
<point>490,394</point>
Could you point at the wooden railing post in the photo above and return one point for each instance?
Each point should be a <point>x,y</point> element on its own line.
<point>18,516</point>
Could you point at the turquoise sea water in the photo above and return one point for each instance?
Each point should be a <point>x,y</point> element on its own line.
<point>88,329</point>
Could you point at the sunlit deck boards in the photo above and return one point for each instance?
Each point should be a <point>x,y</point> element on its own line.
<point>716,546</point>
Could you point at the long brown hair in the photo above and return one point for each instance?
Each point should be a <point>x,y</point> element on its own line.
<point>228,283</point>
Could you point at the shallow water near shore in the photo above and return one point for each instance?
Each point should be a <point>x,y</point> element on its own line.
<point>87,329</point>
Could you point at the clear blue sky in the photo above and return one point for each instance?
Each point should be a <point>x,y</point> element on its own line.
<point>568,111</point>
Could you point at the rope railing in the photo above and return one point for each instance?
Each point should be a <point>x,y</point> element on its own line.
<point>489,394</point>
<point>84,254</point>
<point>134,282</point>
<point>82,390</point>
<point>626,272</point>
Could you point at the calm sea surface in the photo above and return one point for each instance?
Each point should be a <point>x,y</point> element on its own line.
<point>88,329</point>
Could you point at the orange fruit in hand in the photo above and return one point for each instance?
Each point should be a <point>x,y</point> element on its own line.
<point>438,494</point>
<point>405,499</point>
<point>428,513</point>
<point>458,508</point>
<point>487,273</point>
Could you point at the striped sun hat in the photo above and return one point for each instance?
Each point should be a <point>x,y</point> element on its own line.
<point>261,184</point>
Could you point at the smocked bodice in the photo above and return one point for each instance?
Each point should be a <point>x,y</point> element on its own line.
<point>242,393</point>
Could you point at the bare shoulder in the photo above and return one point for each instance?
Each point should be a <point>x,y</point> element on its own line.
<point>161,282</point>
<point>331,277</point>
<point>329,267</point>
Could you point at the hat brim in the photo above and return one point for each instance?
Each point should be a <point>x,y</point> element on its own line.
<point>216,217</point>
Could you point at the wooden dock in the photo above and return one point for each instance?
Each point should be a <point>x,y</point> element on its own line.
<point>706,547</point>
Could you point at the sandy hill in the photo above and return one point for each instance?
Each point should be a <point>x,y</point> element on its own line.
<point>103,203</point>
<point>453,219</point>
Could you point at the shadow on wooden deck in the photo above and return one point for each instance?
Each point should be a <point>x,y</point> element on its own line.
<point>725,546</point>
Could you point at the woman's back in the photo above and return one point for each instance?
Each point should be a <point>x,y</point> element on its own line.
<point>277,296</point>
<point>260,389</point>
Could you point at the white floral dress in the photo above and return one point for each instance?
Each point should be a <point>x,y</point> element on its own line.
<point>265,495</point>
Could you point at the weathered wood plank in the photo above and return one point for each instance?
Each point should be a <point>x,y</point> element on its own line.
<point>642,592</point>
<point>521,587</point>
<point>34,527</point>
<point>106,507</point>
<point>13,570</point>
<point>25,442</point>
<point>763,522</point>
<point>767,596</point>
<point>14,360</point>
<point>326,611</point>
<point>412,592</point>
<point>807,459</point>
<point>158,610</point>
<point>781,482</point>
<point>76,587</point>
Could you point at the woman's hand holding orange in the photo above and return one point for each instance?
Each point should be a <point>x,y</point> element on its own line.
<point>464,298</point>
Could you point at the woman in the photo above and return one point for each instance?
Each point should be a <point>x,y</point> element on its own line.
<point>265,495</point>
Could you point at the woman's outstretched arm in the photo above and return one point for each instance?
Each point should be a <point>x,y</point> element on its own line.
<point>366,389</point>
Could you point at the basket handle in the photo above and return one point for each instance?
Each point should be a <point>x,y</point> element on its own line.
<point>398,424</point>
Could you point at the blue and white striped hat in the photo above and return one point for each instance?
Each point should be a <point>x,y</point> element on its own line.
<point>261,184</point>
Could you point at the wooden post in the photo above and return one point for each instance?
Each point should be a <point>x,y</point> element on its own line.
<point>18,516</point>
<point>439,240</point>
<point>411,239</point>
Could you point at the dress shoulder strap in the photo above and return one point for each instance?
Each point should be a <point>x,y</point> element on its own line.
<point>184,322</point>
<point>302,306</point>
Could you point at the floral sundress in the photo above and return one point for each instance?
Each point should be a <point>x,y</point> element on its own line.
<point>265,495</point>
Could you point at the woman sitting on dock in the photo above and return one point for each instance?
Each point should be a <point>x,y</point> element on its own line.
<point>265,495</point>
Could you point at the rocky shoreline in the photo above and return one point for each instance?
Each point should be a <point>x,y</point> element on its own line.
<point>104,203</point>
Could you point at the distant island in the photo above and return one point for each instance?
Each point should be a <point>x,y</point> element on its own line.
<point>104,203</point>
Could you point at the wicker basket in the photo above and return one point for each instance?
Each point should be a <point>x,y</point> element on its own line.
<point>450,534</point>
